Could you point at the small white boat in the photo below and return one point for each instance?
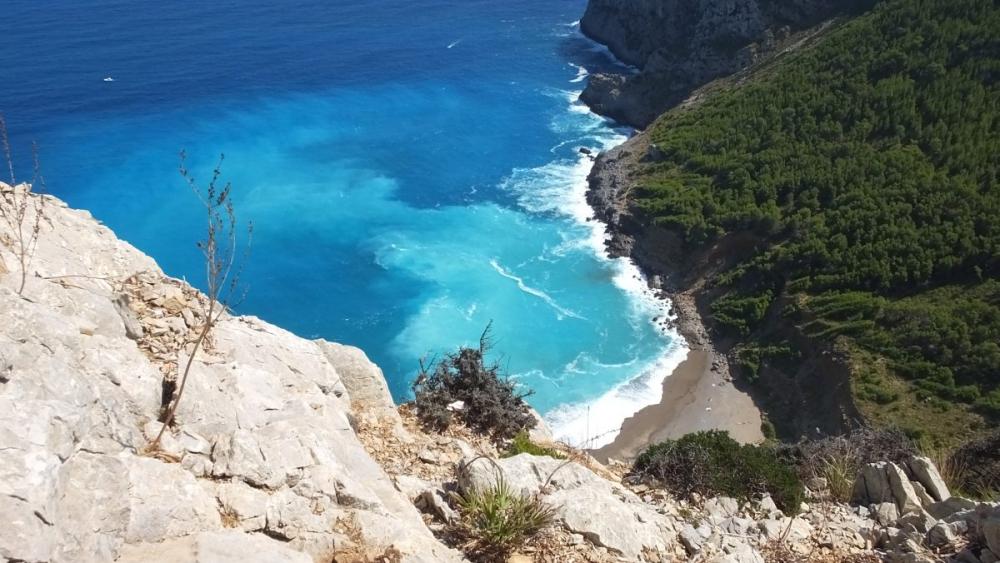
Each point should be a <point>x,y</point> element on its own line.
<point>108,79</point>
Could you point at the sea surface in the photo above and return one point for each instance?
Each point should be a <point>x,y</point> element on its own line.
<point>411,167</point>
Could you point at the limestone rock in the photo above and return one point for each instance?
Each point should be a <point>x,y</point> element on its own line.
<point>263,440</point>
<point>872,485</point>
<point>943,534</point>
<point>885,513</point>
<point>926,474</point>
<point>363,379</point>
<point>605,513</point>
<point>540,434</point>
<point>436,502</point>
<point>944,509</point>
<point>906,497</point>
<point>229,546</point>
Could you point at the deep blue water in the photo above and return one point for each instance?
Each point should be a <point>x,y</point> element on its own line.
<point>410,166</point>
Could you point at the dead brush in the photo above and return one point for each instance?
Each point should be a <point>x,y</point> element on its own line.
<point>223,267</point>
<point>22,209</point>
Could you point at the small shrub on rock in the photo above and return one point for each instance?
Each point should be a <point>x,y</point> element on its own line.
<point>522,444</point>
<point>463,385</point>
<point>713,464</point>
<point>498,519</point>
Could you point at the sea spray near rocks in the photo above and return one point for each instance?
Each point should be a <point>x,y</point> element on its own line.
<point>560,187</point>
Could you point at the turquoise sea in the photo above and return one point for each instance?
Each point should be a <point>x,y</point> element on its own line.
<point>412,169</point>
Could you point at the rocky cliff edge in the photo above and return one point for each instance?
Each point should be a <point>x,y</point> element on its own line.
<point>265,464</point>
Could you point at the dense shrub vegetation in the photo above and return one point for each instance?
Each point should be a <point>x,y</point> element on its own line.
<point>462,385</point>
<point>712,464</point>
<point>866,168</point>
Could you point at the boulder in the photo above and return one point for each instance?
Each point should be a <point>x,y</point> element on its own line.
<point>926,473</point>
<point>872,485</point>
<point>902,490</point>
<point>944,534</point>
<point>944,509</point>
<point>604,512</point>
<point>885,513</point>
<point>919,521</point>
<point>722,507</point>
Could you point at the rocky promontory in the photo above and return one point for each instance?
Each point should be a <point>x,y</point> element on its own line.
<point>679,45</point>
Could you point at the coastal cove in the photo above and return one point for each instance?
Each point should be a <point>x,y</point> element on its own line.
<point>421,177</point>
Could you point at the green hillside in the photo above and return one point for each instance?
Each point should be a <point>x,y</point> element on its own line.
<point>866,166</point>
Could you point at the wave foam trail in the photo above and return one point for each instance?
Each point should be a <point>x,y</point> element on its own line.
<point>560,188</point>
<point>563,312</point>
<point>596,423</point>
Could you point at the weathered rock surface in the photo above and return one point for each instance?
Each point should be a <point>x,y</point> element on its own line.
<point>926,474</point>
<point>263,441</point>
<point>604,512</point>
<point>229,546</point>
<point>679,45</point>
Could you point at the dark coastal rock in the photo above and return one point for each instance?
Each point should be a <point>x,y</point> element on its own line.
<point>679,45</point>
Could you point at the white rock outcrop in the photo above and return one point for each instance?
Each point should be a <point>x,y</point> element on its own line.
<point>605,513</point>
<point>263,466</point>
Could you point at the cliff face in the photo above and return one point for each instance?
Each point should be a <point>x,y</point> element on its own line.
<point>264,465</point>
<point>678,45</point>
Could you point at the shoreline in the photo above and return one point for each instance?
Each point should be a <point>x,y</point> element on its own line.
<point>574,423</point>
<point>698,394</point>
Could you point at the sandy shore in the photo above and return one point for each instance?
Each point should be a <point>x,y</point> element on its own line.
<point>699,394</point>
<point>694,398</point>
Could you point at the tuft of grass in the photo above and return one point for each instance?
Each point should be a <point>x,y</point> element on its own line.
<point>522,444</point>
<point>840,471</point>
<point>497,519</point>
<point>972,470</point>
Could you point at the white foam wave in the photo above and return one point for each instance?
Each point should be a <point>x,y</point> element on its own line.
<point>561,187</point>
<point>581,73</point>
<point>563,312</point>
<point>596,423</point>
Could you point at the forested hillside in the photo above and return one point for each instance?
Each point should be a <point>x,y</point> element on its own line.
<point>866,169</point>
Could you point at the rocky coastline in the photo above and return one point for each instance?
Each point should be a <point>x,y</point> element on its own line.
<point>682,73</point>
<point>700,394</point>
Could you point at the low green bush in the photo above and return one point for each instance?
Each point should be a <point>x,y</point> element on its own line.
<point>522,444</point>
<point>713,464</point>
<point>497,519</point>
